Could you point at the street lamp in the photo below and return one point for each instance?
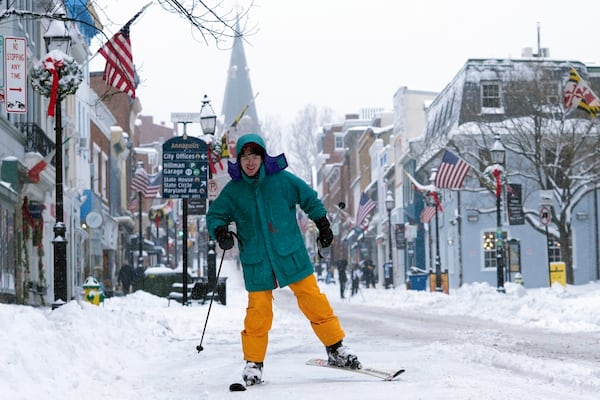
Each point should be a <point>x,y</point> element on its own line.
<point>498,154</point>
<point>389,206</point>
<point>57,38</point>
<point>208,119</point>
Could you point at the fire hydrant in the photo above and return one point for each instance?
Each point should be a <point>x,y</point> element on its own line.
<point>92,292</point>
<point>519,278</point>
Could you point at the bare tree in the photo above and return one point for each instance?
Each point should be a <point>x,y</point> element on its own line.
<point>303,139</point>
<point>273,133</point>
<point>211,19</point>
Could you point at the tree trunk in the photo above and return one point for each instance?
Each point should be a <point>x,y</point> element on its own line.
<point>566,251</point>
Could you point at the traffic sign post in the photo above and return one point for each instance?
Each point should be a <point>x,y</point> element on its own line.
<point>185,174</point>
<point>545,219</point>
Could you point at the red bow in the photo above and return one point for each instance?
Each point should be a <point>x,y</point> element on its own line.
<point>211,160</point>
<point>53,65</point>
<point>498,184</point>
<point>437,201</point>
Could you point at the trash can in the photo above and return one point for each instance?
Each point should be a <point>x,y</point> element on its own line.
<point>92,293</point>
<point>418,281</point>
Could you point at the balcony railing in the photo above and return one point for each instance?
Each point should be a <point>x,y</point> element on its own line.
<point>37,140</point>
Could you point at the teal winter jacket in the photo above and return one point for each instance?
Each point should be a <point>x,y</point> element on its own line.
<point>272,250</point>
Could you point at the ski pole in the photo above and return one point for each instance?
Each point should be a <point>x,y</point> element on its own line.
<point>212,297</point>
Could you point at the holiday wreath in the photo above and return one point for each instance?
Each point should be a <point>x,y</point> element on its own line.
<point>56,76</point>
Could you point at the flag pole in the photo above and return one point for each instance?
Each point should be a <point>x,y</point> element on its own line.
<point>140,260</point>
<point>237,120</point>
<point>128,23</point>
<point>241,114</point>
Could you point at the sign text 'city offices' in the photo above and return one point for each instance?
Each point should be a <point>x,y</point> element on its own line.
<point>185,168</point>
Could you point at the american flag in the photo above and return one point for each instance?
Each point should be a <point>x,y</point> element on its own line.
<point>154,184</point>
<point>139,183</point>
<point>147,185</point>
<point>119,70</point>
<point>452,172</point>
<point>365,207</point>
<point>427,213</point>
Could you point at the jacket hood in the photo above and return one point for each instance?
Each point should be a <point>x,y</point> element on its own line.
<point>271,164</point>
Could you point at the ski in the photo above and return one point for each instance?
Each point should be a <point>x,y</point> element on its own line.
<point>374,372</point>
<point>240,387</point>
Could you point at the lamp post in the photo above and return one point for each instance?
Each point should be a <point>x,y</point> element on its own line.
<point>438,260</point>
<point>57,38</point>
<point>498,155</point>
<point>389,206</point>
<point>208,122</point>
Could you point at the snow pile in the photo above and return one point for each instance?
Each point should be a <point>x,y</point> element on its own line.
<point>138,347</point>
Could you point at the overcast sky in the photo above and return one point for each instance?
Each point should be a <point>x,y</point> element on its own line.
<point>343,54</point>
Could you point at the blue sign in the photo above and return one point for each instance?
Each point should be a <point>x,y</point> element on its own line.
<point>185,168</point>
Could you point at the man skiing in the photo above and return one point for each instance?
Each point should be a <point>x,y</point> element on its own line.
<point>261,200</point>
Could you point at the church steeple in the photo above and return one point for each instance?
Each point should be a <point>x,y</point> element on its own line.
<point>238,92</point>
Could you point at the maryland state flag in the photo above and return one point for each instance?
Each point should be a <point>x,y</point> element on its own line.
<point>578,94</point>
<point>224,147</point>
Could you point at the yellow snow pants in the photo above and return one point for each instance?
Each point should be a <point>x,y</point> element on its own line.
<point>313,304</point>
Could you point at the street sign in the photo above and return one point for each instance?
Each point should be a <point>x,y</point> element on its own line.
<point>15,74</point>
<point>185,168</point>
<point>514,204</point>
<point>185,117</point>
<point>545,216</point>
<point>197,207</point>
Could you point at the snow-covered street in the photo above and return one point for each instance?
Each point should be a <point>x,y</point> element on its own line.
<point>472,344</point>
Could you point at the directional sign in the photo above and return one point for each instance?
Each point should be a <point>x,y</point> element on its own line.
<point>15,73</point>
<point>185,168</point>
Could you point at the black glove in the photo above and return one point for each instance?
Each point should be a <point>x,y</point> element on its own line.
<point>224,237</point>
<point>325,233</point>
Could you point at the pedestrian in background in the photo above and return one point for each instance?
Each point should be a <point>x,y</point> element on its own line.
<point>125,278</point>
<point>342,277</point>
<point>356,274</point>
<point>370,274</point>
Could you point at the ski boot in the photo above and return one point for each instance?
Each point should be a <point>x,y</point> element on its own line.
<point>252,374</point>
<point>339,355</point>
